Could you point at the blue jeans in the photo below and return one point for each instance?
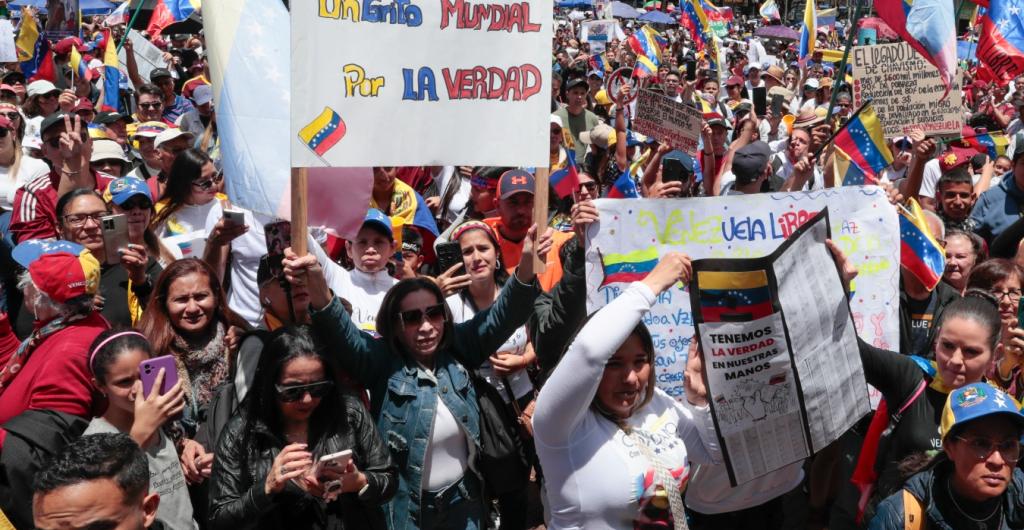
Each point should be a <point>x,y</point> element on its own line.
<point>455,507</point>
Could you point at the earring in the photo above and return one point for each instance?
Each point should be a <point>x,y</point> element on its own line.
<point>266,302</point>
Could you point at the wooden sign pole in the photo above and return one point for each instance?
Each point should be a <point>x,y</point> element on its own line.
<point>540,213</point>
<point>299,214</point>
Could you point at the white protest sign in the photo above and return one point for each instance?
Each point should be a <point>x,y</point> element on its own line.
<point>905,90</point>
<point>147,56</point>
<point>667,120</point>
<point>632,232</point>
<point>413,83</point>
<point>600,32</point>
<point>8,53</point>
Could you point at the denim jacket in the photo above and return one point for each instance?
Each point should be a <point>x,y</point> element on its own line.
<point>998,208</point>
<point>403,396</point>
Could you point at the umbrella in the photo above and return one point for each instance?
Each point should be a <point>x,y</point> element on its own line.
<point>621,10</point>
<point>88,7</point>
<point>777,32</point>
<point>881,28</point>
<point>657,17</point>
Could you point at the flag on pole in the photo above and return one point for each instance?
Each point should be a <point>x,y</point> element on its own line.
<point>847,172</point>
<point>623,188</point>
<point>770,10</point>
<point>920,254</point>
<point>696,21</point>
<point>28,35</point>
<point>929,26</point>
<point>862,141</point>
<point>111,75</point>
<point>566,180</point>
<point>993,144</point>
<point>167,12</point>
<point>809,31</point>
<point>118,16</point>
<point>1001,43</point>
<point>79,66</point>
<point>648,43</point>
<point>827,17</point>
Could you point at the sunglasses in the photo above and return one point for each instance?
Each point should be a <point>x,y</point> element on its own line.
<point>11,115</point>
<point>151,106</point>
<point>292,393</point>
<point>207,184</point>
<point>137,204</point>
<point>415,317</point>
<point>589,186</point>
<point>50,95</point>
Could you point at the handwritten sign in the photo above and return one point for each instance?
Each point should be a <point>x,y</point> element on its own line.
<point>906,91</point>
<point>634,231</point>
<point>410,82</point>
<point>667,120</point>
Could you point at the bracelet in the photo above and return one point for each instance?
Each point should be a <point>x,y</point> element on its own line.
<point>66,172</point>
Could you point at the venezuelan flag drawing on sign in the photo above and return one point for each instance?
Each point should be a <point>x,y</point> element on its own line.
<point>629,267</point>
<point>734,296</point>
<point>323,132</point>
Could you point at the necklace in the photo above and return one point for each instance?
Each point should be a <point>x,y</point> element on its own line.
<point>983,522</point>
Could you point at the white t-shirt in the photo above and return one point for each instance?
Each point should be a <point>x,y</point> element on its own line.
<point>29,170</point>
<point>447,454</point>
<point>365,291</point>
<point>165,478</point>
<point>189,219</point>
<point>930,180</point>
<point>516,344</point>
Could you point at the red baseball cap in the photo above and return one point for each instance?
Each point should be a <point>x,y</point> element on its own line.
<point>63,275</point>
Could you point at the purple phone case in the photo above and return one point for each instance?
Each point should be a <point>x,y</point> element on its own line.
<point>149,369</point>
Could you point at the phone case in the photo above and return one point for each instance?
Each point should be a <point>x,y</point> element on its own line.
<point>448,255</point>
<point>235,217</point>
<point>115,236</point>
<point>149,369</point>
<point>278,236</point>
<point>339,459</point>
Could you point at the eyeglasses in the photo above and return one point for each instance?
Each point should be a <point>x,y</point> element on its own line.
<point>1012,294</point>
<point>137,204</point>
<point>983,447</point>
<point>207,184</point>
<point>79,219</point>
<point>589,186</point>
<point>151,106</point>
<point>49,95</point>
<point>291,393</point>
<point>415,317</point>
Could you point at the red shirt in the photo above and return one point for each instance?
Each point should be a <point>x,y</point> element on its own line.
<point>57,374</point>
<point>35,206</point>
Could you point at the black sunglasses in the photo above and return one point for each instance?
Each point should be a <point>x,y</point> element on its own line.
<point>141,204</point>
<point>150,105</point>
<point>415,317</point>
<point>292,393</point>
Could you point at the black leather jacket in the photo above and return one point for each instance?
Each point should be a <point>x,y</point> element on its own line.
<point>238,499</point>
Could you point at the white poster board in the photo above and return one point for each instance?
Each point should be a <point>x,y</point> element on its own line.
<point>8,53</point>
<point>905,90</point>
<point>147,56</point>
<point>420,83</point>
<point>864,225</point>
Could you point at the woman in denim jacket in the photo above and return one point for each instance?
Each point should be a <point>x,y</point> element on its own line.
<point>421,394</point>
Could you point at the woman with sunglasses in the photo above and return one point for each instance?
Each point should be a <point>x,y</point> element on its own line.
<point>189,196</point>
<point>42,100</point>
<point>421,394</point>
<point>267,472</point>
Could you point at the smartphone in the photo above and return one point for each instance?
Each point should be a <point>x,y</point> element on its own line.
<point>234,217</point>
<point>278,235</point>
<point>777,105</point>
<point>672,170</point>
<point>339,461</point>
<point>115,236</point>
<point>691,70</point>
<point>449,254</point>
<point>149,369</point>
<point>760,98</point>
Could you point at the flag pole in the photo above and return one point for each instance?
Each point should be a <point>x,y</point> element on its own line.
<point>300,186</point>
<point>131,23</point>
<point>833,137</point>
<point>540,212</point>
<point>841,71</point>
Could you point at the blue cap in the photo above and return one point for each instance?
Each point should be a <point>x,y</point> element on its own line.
<point>974,401</point>
<point>125,188</point>
<point>28,251</point>
<point>382,221</point>
<point>632,140</point>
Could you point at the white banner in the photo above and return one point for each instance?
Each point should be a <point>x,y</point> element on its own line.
<point>632,232</point>
<point>420,83</point>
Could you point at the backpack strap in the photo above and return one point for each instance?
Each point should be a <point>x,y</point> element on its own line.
<point>910,401</point>
<point>913,512</point>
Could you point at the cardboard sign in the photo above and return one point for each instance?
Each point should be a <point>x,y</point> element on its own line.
<point>668,120</point>
<point>147,56</point>
<point>410,83</point>
<point>905,90</point>
<point>633,233</point>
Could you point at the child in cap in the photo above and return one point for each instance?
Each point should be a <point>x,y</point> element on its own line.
<point>366,284</point>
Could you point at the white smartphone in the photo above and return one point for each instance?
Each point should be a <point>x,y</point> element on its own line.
<point>115,236</point>
<point>234,217</point>
<point>337,460</point>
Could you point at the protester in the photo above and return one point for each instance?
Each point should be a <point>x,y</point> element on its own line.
<point>189,197</point>
<point>369,281</point>
<point>575,115</point>
<point>964,250</point>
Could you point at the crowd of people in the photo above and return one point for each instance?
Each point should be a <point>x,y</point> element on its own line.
<point>167,362</point>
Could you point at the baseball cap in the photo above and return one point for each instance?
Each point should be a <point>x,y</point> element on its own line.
<point>124,188</point>
<point>714,118</point>
<point>575,82</point>
<point>4,87</point>
<point>380,219</point>
<point>82,104</point>
<point>734,81</point>
<point>975,401</point>
<point>106,118</point>
<point>171,133</point>
<point>556,120</point>
<point>202,94</point>
<point>57,118</point>
<point>60,269</point>
<point>749,161</point>
<point>812,83</point>
<point>13,77</point>
<point>150,129</point>
<point>158,73</point>
<point>955,157</point>
<point>40,87</point>
<point>515,181</point>
<point>107,150</point>
<point>598,73</point>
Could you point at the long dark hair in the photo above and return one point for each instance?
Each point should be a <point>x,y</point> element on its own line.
<point>156,322</point>
<point>388,323</point>
<point>979,306</point>
<point>187,167</point>
<point>109,345</point>
<point>261,405</point>
<point>500,274</point>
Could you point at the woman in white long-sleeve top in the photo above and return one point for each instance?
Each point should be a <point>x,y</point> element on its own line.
<point>611,444</point>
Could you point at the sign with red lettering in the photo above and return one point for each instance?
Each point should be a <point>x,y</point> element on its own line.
<point>409,83</point>
<point>668,120</point>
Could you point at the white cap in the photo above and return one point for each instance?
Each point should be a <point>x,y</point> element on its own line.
<point>107,150</point>
<point>202,94</point>
<point>169,134</point>
<point>812,83</point>
<point>557,120</point>
<point>40,87</point>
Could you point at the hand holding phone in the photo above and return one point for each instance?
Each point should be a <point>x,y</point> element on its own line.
<point>760,101</point>
<point>149,368</point>
<point>234,217</point>
<point>115,236</point>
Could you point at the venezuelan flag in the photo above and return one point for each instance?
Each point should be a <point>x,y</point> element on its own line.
<point>28,34</point>
<point>731,296</point>
<point>623,188</point>
<point>808,32</point>
<point>862,140</point>
<point>827,17</point>
<point>167,12</point>
<point>696,21</point>
<point>644,67</point>
<point>920,254</point>
<point>79,65</point>
<point>847,172</point>
<point>629,267</point>
<point>566,180</point>
<point>600,63</point>
<point>929,26</point>
<point>993,144</point>
<point>323,132</point>
<point>111,75</point>
<point>647,42</point>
